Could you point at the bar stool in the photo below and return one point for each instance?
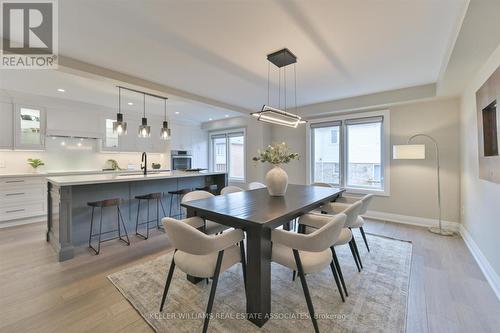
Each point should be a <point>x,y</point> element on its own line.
<point>209,188</point>
<point>103,204</point>
<point>148,197</point>
<point>178,195</point>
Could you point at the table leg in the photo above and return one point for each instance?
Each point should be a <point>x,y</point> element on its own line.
<point>258,275</point>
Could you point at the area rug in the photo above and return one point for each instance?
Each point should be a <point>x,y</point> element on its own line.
<point>377,299</point>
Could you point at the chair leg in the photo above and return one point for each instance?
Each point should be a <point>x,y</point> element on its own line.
<point>243,263</point>
<point>100,232</point>
<point>364,238</point>
<point>159,226</point>
<point>120,216</point>
<point>167,283</point>
<point>91,226</point>
<point>147,220</point>
<point>354,256</point>
<point>137,217</point>
<point>294,274</point>
<point>357,252</point>
<point>339,270</point>
<point>170,208</point>
<point>337,282</point>
<point>212,290</point>
<point>310,306</point>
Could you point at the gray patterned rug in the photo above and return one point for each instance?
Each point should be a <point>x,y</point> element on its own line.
<point>377,296</point>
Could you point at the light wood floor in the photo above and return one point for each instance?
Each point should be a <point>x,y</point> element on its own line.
<point>448,292</point>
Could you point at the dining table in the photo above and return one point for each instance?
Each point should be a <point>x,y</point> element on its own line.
<point>258,213</point>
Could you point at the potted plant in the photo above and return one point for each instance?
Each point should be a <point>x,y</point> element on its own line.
<point>276,178</point>
<point>35,163</point>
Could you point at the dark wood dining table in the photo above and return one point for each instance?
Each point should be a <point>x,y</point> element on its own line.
<point>257,213</point>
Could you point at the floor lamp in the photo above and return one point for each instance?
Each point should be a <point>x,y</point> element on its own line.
<point>417,152</point>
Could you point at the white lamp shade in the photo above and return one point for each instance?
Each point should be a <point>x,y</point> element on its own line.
<point>408,152</point>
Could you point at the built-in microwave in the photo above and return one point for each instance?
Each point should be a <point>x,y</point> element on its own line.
<point>181,159</point>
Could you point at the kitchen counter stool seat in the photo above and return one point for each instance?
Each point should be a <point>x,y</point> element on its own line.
<point>178,194</point>
<point>157,196</point>
<point>115,202</point>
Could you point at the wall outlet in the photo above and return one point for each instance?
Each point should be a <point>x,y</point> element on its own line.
<point>2,163</point>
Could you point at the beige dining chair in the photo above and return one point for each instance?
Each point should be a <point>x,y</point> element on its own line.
<point>230,189</point>
<point>343,202</point>
<point>209,227</point>
<point>255,185</point>
<point>201,255</point>
<point>309,253</point>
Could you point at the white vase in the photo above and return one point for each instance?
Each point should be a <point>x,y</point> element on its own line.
<point>277,181</point>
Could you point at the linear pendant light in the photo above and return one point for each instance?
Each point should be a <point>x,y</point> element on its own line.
<point>144,128</point>
<point>119,126</point>
<point>277,116</point>
<point>165,131</point>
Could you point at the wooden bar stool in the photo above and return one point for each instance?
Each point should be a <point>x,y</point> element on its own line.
<point>178,195</point>
<point>103,204</point>
<point>148,197</point>
<point>209,188</point>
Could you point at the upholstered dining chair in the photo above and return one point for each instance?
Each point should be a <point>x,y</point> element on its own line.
<point>201,255</point>
<point>230,189</point>
<point>209,227</point>
<point>255,185</point>
<point>343,202</point>
<point>309,253</point>
<point>345,237</point>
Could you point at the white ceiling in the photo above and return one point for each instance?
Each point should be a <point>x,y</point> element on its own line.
<point>105,93</point>
<point>217,48</point>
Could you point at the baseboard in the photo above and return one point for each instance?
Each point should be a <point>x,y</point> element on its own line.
<point>411,220</point>
<point>488,271</point>
<point>14,223</point>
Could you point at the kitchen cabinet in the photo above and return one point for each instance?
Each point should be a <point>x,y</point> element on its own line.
<point>29,127</point>
<point>181,137</point>
<point>68,122</point>
<point>6,126</point>
<point>22,197</point>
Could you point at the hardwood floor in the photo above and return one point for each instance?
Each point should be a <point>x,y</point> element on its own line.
<point>448,292</point>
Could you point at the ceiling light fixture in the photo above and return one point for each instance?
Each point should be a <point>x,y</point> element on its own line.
<point>130,103</point>
<point>278,116</point>
<point>61,90</point>
<point>165,131</point>
<point>226,116</point>
<point>144,128</point>
<point>119,126</point>
<point>176,112</point>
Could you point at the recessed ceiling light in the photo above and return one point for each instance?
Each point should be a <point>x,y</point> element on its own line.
<point>176,112</point>
<point>226,116</point>
<point>61,90</point>
<point>210,119</point>
<point>130,103</point>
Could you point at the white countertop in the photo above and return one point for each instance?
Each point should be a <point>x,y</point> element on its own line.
<point>71,172</point>
<point>123,177</point>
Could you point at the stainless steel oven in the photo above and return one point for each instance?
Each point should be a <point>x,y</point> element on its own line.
<point>181,159</point>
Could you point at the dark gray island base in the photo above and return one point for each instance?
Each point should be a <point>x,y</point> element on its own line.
<point>68,216</point>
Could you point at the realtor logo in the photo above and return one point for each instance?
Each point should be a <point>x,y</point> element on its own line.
<point>29,34</point>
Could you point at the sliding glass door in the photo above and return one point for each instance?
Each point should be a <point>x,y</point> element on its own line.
<point>227,153</point>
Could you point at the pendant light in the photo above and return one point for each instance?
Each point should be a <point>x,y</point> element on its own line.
<point>119,126</point>
<point>277,116</point>
<point>144,129</point>
<point>165,131</point>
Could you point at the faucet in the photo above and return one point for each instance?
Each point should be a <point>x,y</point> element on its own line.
<point>144,159</point>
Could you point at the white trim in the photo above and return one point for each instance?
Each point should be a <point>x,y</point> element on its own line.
<point>483,263</point>
<point>411,220</point>
<point>386,151</point>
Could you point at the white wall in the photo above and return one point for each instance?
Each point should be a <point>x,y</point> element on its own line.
<point>258,137</point>
<point>413,183</point>
<point>480,198</point>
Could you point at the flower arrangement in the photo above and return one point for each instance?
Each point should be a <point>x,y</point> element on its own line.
<point>276,154</point>
<point>35,162</point>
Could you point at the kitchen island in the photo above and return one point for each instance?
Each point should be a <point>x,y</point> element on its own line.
<point>68,216</point>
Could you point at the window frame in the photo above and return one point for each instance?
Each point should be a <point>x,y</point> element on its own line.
<point>228,133</point>
<point>385,147</point>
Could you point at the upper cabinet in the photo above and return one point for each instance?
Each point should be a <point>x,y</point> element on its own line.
<point>6,121</point>
<point>29,127</point>
<point>181,137</point>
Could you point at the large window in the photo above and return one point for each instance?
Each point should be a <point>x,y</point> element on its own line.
<point>350,151</point>
<point>227,153</point>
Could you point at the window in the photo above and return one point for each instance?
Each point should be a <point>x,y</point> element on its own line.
<point>227,153</point>
<point>29,127</point>
<point>350,151</point>
<point>111,140</point>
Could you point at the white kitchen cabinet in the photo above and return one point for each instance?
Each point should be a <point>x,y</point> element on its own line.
<point>29,127</point>
<point>182,137</point>
<point>73,123</point>
<point>6,126</point>
<point>22,197</point>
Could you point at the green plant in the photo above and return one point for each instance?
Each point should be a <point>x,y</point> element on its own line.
<point>276,154</point>
<point>35,162</point>
<point>114,165</point>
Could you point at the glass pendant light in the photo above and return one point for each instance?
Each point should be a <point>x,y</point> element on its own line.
<point>144,129</point>
<point>119,126</point>
<point>165,131</point>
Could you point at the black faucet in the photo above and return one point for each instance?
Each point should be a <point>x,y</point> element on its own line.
<point>144,160</point>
